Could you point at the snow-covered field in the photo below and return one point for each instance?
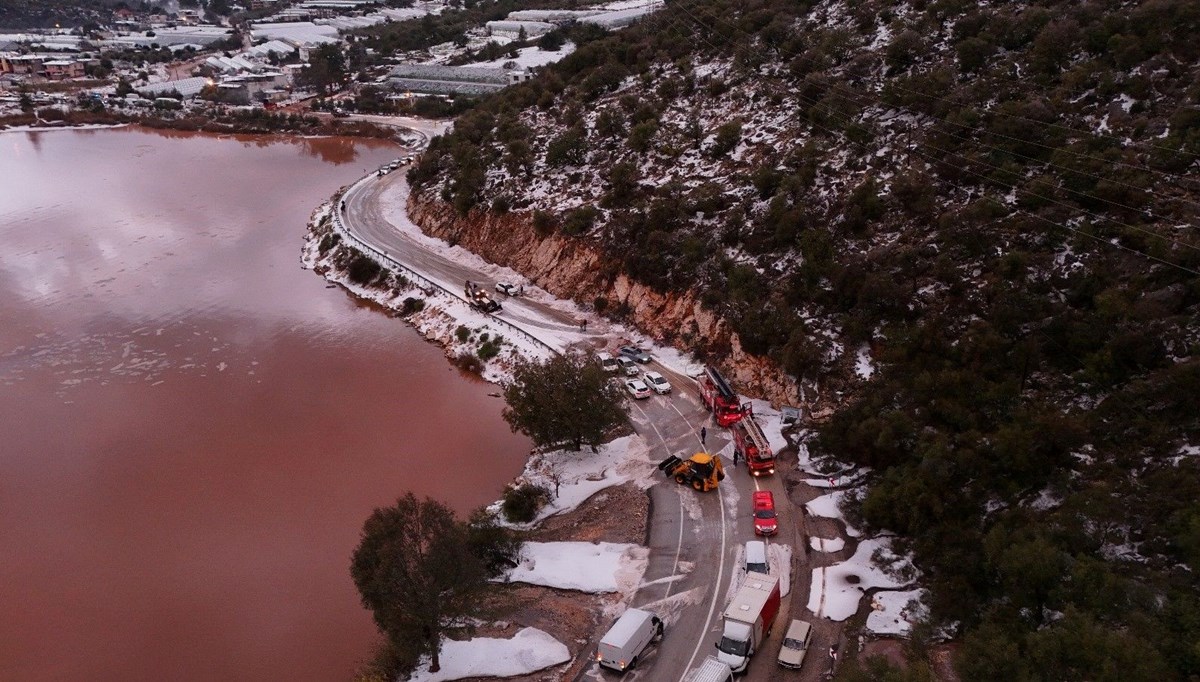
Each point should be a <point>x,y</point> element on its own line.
<point>573,477</point>
<point>582,566</point>
<point>529,651</point>
<point>893,613</point>
<point>837,589</point>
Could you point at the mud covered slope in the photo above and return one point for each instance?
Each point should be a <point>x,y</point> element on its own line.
<point>965,231</point>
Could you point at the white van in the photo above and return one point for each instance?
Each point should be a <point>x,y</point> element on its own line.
<point>711,670</point>
<point>756,557</point>
<point>624,642</point>
<point>608,362</point>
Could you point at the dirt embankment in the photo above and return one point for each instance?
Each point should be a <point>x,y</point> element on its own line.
<point>578,270</point>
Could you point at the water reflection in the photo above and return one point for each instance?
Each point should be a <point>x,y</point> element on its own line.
<point>194,428</point>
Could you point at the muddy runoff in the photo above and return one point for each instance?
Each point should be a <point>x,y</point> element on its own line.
<point>193,427</point>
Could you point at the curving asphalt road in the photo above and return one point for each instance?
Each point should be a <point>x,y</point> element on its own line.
<point>695,539</point>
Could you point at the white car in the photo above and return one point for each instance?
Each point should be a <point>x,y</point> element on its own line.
<point>795,645</point>
<point>628,366</point>
<point>657,382</point>
<point>638,389</point>
<point>506,288</point>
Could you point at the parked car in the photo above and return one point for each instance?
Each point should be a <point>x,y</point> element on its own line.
<point>657,382</point>
<point>637,388</point>
<point>795,645</point>
<point>506,288</point>
<point>623,644</point>
<point>634,353</point>
<point>756,557</point>
<point>765,521</point>
<point>608,362</point>
<point>628,366</point>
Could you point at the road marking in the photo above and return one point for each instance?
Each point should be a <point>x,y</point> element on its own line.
<point>679,542</point>
<point>712,604</point>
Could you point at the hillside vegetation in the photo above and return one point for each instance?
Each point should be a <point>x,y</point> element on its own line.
<point>998,201</point>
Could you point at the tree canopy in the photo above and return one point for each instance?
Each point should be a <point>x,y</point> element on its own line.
<point>421,572</point>
<point>568,399</point>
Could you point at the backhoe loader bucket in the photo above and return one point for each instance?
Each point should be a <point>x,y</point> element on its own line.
<point>669,464</point>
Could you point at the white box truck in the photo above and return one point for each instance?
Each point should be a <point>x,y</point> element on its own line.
<point>748,620</point>
<point>625,641</point>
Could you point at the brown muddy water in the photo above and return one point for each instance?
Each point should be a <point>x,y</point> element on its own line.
<point>192,427</point>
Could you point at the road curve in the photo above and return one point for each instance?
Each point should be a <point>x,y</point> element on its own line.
<point>694,538</point>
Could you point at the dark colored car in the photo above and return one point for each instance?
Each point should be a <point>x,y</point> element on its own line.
<point>635,353</point>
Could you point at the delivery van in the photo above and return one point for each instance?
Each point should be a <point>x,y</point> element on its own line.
<point>626,640</point>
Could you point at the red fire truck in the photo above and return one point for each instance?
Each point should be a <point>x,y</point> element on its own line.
<point>751,444</point>
<point>720,398</point>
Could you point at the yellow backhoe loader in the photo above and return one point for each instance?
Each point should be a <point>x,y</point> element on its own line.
<point>702,471</point>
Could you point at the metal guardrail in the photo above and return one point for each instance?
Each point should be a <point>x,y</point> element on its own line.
<point>387,261</point>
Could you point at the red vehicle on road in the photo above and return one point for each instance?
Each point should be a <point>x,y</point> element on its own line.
<point>765,521</point>
<point>751,444</point>
<point>720,398</point>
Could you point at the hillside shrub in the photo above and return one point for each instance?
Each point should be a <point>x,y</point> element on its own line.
<point>521,503</point>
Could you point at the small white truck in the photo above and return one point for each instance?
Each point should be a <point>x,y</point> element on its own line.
<point>748,620</point>
<point>625,641</point>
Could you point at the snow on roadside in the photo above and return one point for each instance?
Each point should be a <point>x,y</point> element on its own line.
<point>572,477</point>
<point>826,544</point>
<point>779,558</point>
<point>439,320</point>
<point>837,589</point>
<point>394,207</point>
<point>893,613</point>
<point>830,507</point>
<point>530,650</point>
<point>581,566</point>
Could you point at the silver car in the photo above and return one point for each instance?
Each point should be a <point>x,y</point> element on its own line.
<point>795,645</point>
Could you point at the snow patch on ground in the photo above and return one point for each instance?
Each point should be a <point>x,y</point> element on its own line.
<point>837,589</point>
<point>862,363</point>
<point>829,506</point>
<point>893,613</point>
<point>530,650</point>
<point>779,558</point>
<point>582,566</point>
<point>826,544</point>
<point>572,477</point>
<point>530,57</point>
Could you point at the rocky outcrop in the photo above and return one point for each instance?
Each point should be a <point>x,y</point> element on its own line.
<point>573,268</point>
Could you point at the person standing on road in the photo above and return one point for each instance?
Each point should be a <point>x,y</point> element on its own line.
<point>703,435</point>
<point>735,456</point>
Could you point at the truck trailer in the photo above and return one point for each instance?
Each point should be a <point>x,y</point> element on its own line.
<point>748,620</point>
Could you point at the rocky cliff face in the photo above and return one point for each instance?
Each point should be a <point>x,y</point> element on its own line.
<point>572,268</point>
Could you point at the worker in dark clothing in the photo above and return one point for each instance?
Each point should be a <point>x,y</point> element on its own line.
<point>703,434</point>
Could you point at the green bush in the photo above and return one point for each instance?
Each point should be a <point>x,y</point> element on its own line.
<point>522,503</point>
<point>363,270</point>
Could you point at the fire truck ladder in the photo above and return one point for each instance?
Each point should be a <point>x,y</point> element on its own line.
<point>721,385</point>
<point>757,436</point>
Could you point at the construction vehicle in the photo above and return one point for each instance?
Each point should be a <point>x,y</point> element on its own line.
<point>751,444</point>
<point>702,471</point>
<point>748,620</point>
<point>720,398</point>
<point>479,299</point>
